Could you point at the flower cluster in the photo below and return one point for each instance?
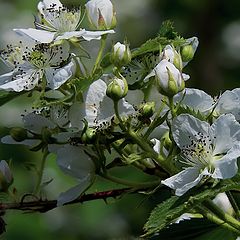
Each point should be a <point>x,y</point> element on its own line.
<point>133,104</point>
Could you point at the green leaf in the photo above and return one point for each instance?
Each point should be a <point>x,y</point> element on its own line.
<point>8,96</point>
<point>166,36</point>
<point>167,212</point>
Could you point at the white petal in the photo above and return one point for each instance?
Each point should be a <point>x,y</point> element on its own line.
<point>35,122</point>
<point>7,77</point>
<point>29,142</point>
<point>4,168</point>
<point>226,167</point>
<point>76,115</point>
<point>48,4</point>
<point>91,35</point>
<point>195,99</point>
<point>186,128</point>
<point>94,96</point>
<point>222,201</point>
<point>185,180</point>
<point>157,145</point>
<point>226,131</point>
<point>74,161</point>
<point>74,192</point>
<point>41,36</point>
<point>58,76</point>
<point>22,82</point>
<point>68,35</point>
<point>229,103</point>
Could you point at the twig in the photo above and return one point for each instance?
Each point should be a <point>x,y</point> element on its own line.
<point>46,205</point>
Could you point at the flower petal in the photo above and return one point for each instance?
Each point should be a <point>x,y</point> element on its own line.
<point>185,180</point>
<point>35,122</point>
<point>91,35</point>
<point>75,162</point>
<point>226,167</point>
<point>186,128</point>
<point>74,192</point>
<point>226,131</point>
<point>58,76</point>
<point>195,99</point>
<point>41,36</point>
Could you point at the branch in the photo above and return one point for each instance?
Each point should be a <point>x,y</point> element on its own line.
<point>46,205</point>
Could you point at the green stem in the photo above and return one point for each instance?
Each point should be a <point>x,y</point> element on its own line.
<point>171,106</point>
<point>221,214</point>
<point>130,183</point>
<point>118,116</point>
<point>234,204</point>
<point>213,218</point>
<point>156,122</point>
<point>40,172</point>
<point>100,53</point>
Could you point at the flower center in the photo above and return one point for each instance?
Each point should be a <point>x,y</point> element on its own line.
<point>199,152</point>
<point>61,19</point>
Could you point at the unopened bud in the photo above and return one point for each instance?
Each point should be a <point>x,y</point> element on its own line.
<point>117,89</point>
<point>101,14</point>
<point>169,79</point>
<point>89,135</point>
<point>170,54</point>
<point>167,143</point>
<point>148,109</point>
<point>121,54</point>
<point>187,53</point>
<point>18,134</point>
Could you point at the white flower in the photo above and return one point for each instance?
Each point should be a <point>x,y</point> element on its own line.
<point>99,108</point>
<point>222,201</point>
<point>73,161</point>
<point>58,23</point>
<point>50,119</point>
<point>207,151</point>
<point>32,64</point>
<point>101,14</point>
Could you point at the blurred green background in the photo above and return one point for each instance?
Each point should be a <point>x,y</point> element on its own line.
<point>214,68</point>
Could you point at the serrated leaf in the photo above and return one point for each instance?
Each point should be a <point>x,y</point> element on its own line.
<point>166,212</point>
<point>186,109</point>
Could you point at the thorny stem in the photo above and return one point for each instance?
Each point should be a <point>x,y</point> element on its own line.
<point>47,205</point>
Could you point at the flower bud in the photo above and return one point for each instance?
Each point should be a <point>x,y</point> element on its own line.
<point>89,135</point>
<point>18,134</point>
<point>6,178</point>
<point>188,50</point>
<point>148,109</point>
<point>187,53</point>
<point>121,54</point>
<point>169,79</point>
<point>170,54</point>
<point>117,89</point>
<point>101,14</point>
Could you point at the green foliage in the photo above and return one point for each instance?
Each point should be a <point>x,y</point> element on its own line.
<point>168,211</point>
<point>7,96</point>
